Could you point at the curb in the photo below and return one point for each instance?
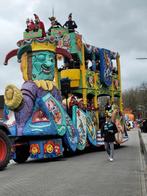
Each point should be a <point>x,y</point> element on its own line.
<point>143,147</point>
<point>143,162</point>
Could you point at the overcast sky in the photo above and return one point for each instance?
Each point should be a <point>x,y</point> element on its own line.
<point>120,26</point>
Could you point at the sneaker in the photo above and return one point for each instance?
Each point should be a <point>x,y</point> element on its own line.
<point>108,158</point>
<point>111,159</point>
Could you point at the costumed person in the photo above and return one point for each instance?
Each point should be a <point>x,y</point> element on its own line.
<point>54,24</point>
<point>108,132</point>
<point>39,25</point>
<point>118,119</point>
<point>30,25</point>
<point>69,103</point>
<point>70,24</point>
<point>108,106</point>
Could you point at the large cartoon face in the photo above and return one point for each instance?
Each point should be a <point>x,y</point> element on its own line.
<point>43,64</point>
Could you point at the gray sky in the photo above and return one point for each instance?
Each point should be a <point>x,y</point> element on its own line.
<point>117,25</point>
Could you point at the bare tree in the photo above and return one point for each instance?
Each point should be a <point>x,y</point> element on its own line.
<point>136,99</point>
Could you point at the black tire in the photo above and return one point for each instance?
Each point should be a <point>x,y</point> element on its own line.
<point>22,153</point>
<point>5,150</point>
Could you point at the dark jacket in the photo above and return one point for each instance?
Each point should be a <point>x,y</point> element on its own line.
<point>71,25</point>
<point>108,107</point>
<point>56,25</point>
<point>108,131</point>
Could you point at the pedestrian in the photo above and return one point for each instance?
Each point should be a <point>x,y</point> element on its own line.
<point>108,132</point>
<point>70,24</point>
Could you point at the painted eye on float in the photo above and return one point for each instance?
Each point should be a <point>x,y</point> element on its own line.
<point>33,57</point>
<point>51,59</point>
<point>41,57</point>
<point>54,107</point>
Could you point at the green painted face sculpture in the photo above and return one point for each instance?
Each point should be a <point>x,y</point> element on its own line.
<point>43,64</point>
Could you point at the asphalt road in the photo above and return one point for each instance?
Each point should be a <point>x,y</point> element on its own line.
<point>88,174</point>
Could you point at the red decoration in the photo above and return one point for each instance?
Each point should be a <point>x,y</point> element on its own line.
<point>39,25</point>
<point>39,116</point>
<point>10,55</point>
<point>64,52</point>
<point>49,147</point>
<point>57,149</point>
<point>34,149</point>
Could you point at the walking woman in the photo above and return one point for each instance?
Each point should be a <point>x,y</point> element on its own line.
<point>108,132</point>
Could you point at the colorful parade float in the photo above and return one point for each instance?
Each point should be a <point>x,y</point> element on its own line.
<point>57,108</point>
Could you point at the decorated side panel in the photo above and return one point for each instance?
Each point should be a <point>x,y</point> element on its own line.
<point>40,122</point>
<point>63,122</point>
<point>79,120</point>
<point>91,129</point>
<point>46,149</point>
<point>106,67</point>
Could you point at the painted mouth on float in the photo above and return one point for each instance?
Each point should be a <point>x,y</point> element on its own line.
<point>45,69</point>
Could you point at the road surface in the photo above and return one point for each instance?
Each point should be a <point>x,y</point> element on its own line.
<point>88,174</point>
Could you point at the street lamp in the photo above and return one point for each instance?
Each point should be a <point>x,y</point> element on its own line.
<point>141,58</point>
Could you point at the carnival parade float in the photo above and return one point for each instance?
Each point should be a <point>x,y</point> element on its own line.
<point>57,110</point>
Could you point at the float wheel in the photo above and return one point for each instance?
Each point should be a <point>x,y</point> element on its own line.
<point>5,149</point>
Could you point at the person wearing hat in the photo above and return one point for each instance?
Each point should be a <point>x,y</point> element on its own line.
<point>54,24</point>
<point>30,25</point>
<point>108,132</point>
<point>70,24</point>
<point>39,25</point>
<point>108,106</point>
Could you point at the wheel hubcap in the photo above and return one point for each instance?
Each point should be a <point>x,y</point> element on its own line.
<point>3,149</point>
